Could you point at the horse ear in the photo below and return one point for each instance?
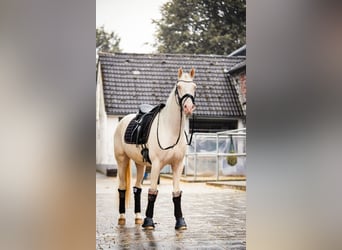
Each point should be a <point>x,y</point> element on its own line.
<point>192,73</point>
<point>180,72</point>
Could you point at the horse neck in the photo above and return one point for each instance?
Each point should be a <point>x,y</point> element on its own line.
<point>171,115</point>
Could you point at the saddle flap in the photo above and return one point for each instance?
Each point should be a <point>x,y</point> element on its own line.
<point>138,130</point>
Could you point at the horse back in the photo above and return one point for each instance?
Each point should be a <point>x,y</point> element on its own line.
<point>134,152</point>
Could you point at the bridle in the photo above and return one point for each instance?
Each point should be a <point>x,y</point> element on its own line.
<point>179,101</point>
<point>184,97</point>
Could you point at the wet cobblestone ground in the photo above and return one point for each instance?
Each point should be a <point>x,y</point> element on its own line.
<point>216,218</point>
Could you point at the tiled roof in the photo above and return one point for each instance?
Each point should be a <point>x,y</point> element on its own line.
<point>132,79</point>
<point>237,67</point>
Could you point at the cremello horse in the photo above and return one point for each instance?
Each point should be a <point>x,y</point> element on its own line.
<point>167,145</point>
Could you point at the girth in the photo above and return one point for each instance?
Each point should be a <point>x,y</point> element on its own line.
<point>138,130</point>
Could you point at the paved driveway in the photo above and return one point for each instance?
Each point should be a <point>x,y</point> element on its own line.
<point>216,218</point>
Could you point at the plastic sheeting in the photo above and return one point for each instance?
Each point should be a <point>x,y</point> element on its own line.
<point>204,162</point>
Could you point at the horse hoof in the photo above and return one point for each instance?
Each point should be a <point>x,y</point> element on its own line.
<point>121,221</point>
<point>148,223</point>
<point>138,221</point>
<point>180,224</point>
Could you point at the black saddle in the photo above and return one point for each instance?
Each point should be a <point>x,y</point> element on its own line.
<point>138,130</point>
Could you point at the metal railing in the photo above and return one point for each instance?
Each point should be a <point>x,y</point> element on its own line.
<point>208,154</point>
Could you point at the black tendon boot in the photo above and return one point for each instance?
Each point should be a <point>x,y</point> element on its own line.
<point>137,195</point>
<point>122,201</point>
<point>180,222</point>
<point>122,221</point>
<point>137,202</point>
<point>148,221</point>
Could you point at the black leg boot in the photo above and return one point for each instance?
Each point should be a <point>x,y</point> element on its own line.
<point>122,210</point>
<point>148,221</point>
<point>137,202</point>
<point>180,222</point>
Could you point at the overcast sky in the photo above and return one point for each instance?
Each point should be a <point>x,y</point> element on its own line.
<point>131,20</point>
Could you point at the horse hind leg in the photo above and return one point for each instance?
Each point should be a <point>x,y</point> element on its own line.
<point>137,193</point>
<point>124,183</point>
<point>122,217</point>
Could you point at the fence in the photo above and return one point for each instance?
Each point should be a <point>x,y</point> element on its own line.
<point>214,156</point>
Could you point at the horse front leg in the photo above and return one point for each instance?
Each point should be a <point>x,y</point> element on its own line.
<point>177,195</point>
<point>152,196</point>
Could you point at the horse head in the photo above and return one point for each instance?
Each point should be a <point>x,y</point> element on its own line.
<point>185,91</point>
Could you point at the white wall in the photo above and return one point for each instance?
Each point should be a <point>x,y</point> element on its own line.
<point>105,127</point>
<point>112,123</point>
<point>101,124</point>
<point>101,121</point>
<point>105,143</point>
<point>241,124</point>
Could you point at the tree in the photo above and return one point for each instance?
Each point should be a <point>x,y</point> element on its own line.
<point>107,42</point>
<point>201,26</point>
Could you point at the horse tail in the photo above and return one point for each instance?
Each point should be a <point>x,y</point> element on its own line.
<point>128,183</point>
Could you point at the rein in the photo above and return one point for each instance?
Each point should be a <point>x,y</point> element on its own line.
<point>180,102</point>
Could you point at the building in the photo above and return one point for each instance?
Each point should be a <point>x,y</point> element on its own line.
<point>237,77</point>
<point>126,80</point>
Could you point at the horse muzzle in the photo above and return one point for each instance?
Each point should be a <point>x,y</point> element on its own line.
<point>189,108</point>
